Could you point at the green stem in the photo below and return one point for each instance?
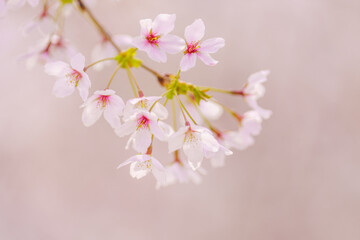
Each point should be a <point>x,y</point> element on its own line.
<point>94,63</point>
<point>112,76</point>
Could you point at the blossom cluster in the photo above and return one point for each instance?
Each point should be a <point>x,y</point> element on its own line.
<point>143,119</point>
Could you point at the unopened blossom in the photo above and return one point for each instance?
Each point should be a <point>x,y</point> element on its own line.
<point>197,48</point>
<point>104,49</point>
<point>155,39</point>
<point>142,164</point>
<point>103,101</point>
<point>69,77</point>
<point>197,142</point>
<point>253,90</point>
<point>133,106</point>
<point>142,126</point>
<point>182,173</point>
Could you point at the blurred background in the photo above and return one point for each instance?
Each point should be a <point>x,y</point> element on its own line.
<point>301,179</point>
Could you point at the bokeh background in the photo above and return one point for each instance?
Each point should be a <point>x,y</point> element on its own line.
<point>301,180</point>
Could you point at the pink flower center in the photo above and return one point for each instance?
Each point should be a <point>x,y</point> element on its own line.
<point>192,48</point>
<point>152,38</point>
<point>103,100</point>
<point>143,122</point>
<point>74,77</point>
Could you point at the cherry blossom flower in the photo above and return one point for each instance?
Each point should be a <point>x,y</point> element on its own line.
<point>103,101</point>
<point>253,90</point>
<point>182,173</point>
<point>142,164</point>
<point>197,142</point>
<point>135,105</point>
<point>43,22</point>
<point>195,48</point>
<point>69,77</point>
<point>105,49</point>
<point>142,126</point>
<point>155,39</point>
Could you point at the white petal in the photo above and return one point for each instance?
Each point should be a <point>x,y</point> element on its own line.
<point>141,43</point>
<point>156,53</point>
<point>171,44</point>
<point>212,45</point>
<point>157,131</point>
<point>211,110</point>
<point>263,112</point>
<point>57,68</point>
<point>156,164</point>
<point>131,160</point>
<point>137,172</point>
<point>160,111</point>
<point>78,62</point>
<point>166,128</point>
<point>209,142</point>
<point>91,113</point>
<point>207,59</point>
<point>62,88</point>
<point>142,140</point>
<point>112,117</point>
<point>83,86</point>
<point>164,23</point>
<point>195,32</point>
<point>127,128</point>
<point>188,61</point>
<point>176,141</point>
<point>194,152</point>
<point>117,104</point>
<point>145,25</point>
<point>258,77</point>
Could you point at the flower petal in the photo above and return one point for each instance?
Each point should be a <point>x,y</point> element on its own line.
<point>62,88</point>
<point>126,129</point>
<point>83,86</point>
<point>156,53</point>
<point>142,140</point>
<point>212,45</point>
<point>78,62</point>
<point>91,113</point>
<point>164,23</point>
<point>188,61</point>
<point>194,152</point>
<point>138,172</point>
<point>171,44</point>
<point>207,59</point>
<point>258,77</point>
<point>264,113</point>
<point>145,25</point>
<point>112,117</point>
<point>57,68</point>
<point>160,111</point>
<point>176,141</point>
<point>195,32</point>
<point>157,131</point>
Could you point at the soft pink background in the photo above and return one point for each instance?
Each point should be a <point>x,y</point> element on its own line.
<point>301,180</point>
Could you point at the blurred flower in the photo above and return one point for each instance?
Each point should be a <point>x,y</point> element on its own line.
<point>145,103</point>
<point>103,101</point>
<point>194,48</point>
<point>208,109</point>
<point>155,39</point>
<point>69,77</point>
<point>142,164</point>
<point>253,90</point>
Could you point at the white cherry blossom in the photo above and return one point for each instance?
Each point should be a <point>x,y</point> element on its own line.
<point>142,126</point>
<point>253,90</point>
<point>70,76</point>
<point>144,104</point>
<point>103,101</point>
<point>142,164</point>
<point>197,142</point>
<point>43,22</point>
<point>195,48</point>
<point>155,39</point>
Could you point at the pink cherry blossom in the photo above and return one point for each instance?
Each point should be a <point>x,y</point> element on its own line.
<point>70,76</point>
<point>155,39</point>
<point>197,142</point>
<point>142,126</point>
<point>104,49</point>
<point>142,164</point>
<point>103,101</point>
<point>253,90</point>
<point>195,48</point>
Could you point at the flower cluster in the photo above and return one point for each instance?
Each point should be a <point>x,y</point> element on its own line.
<point>143,118</point>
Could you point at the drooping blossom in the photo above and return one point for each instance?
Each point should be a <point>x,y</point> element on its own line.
<point>181,172</point>
<point>155,39</point>
<point>253,90</point>
<point>103,101</point>
<point>70,76</point>
<point>142,126</point>
<point>195,48</point>
<point>104,49</point>
<point>142,164</point>
<point>133,106</point>
<point>197,142</point>
<point>43,22</point>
